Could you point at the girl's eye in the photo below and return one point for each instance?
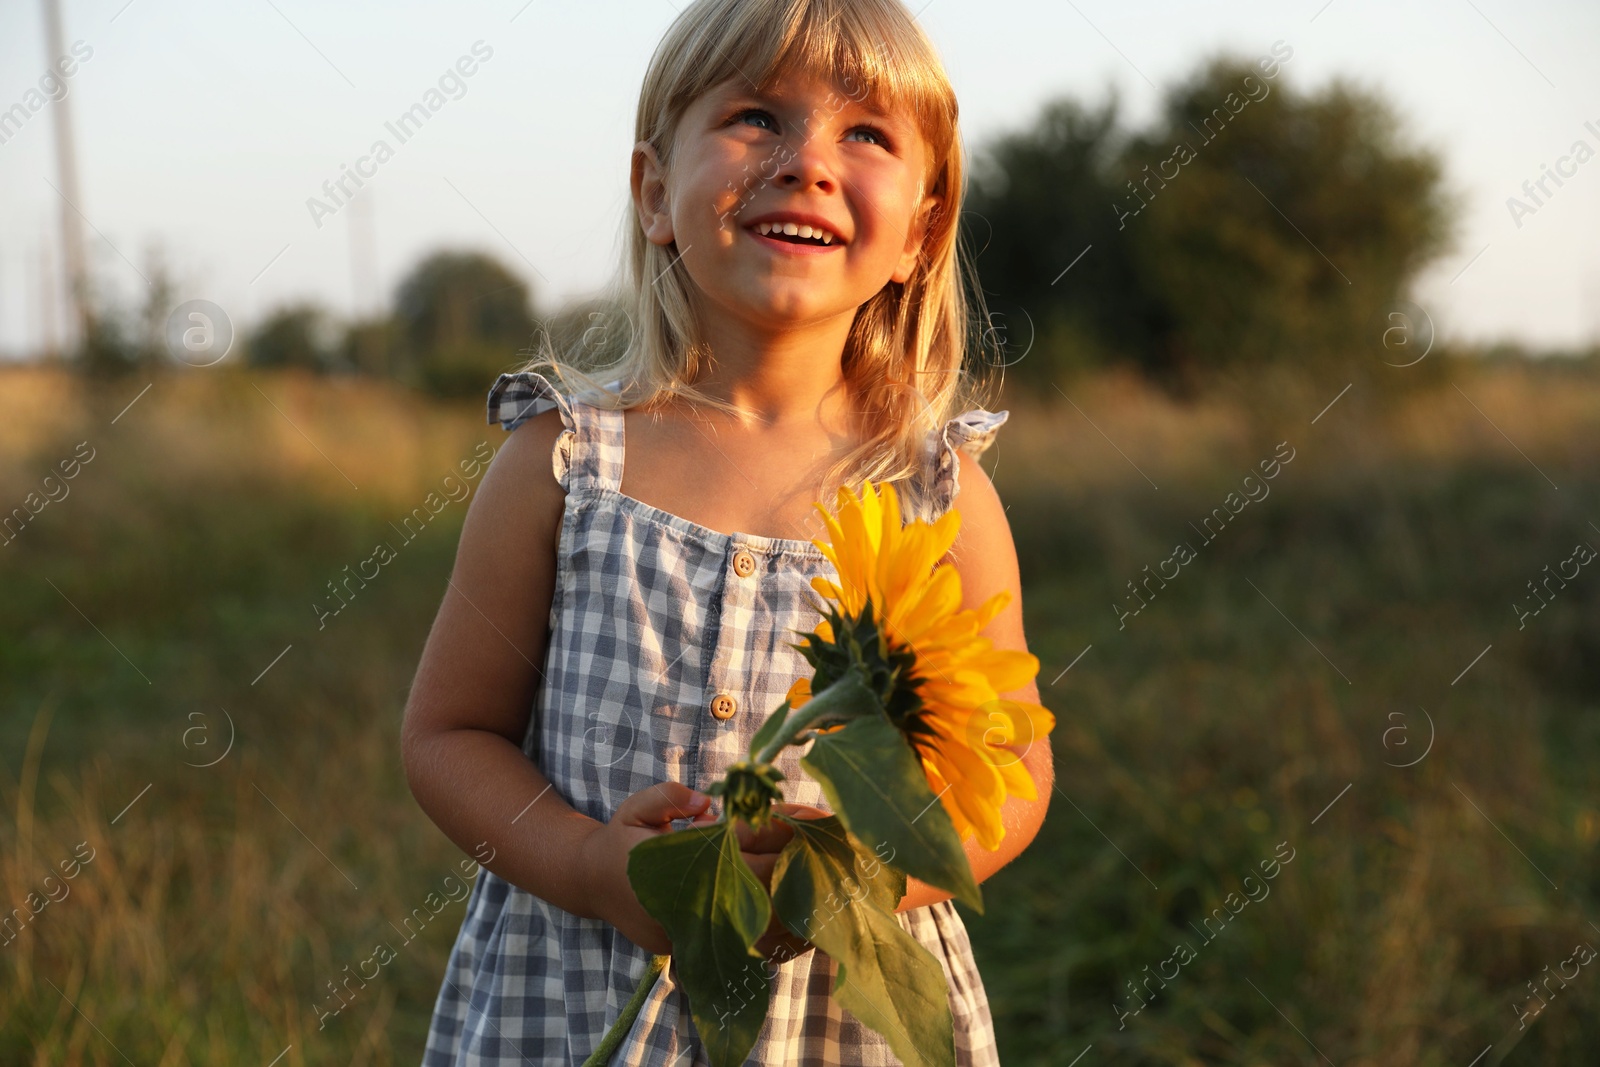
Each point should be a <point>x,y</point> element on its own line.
<point>756,113</point>
<point>764,119</point>
<point>878,136</point>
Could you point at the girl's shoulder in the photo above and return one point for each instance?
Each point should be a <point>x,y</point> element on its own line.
<point>518,396</point>
<point>589,443</point>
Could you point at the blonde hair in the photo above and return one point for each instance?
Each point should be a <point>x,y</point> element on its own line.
<point>903,358</point>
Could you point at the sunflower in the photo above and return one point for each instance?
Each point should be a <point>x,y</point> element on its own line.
<point>944,680</point>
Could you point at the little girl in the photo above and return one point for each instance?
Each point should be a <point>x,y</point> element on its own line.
<point>604,649</point>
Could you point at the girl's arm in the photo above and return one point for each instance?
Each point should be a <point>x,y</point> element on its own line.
<point>986,559</point>
<point>469,706</point>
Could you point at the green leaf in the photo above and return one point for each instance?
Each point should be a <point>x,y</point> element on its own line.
<point>697,886</point>
<point>884,884</point>
<point>875,784</point>
<point>769,729</point>
<point>830,891</point>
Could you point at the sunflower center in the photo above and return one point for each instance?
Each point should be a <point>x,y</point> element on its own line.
<point>890,666</point>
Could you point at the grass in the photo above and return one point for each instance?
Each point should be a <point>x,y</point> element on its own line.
<point>166,603</point>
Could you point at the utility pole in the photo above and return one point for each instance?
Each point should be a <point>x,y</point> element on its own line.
<point>67,176</point>
<point>49,316</point>
<point>368,347</point>
<point>363,256</point>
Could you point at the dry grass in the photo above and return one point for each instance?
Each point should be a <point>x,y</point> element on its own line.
<point>219,906</point>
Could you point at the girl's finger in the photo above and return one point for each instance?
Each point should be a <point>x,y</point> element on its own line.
<point>770,838</point>
<point>800,811</point>
<point>659,804</point>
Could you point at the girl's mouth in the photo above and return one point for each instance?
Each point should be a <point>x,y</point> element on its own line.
<point>792,245</point>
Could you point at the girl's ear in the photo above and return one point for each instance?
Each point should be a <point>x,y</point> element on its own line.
<point>650,194</point>
<point>919,230</point>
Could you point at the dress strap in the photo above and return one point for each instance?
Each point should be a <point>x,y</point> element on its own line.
<point>588,454</point>
<point>971,432</point>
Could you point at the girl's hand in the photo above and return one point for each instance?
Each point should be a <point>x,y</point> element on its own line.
<point>603,857</point>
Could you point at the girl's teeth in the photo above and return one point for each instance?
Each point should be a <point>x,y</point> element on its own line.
<point>790,229</point>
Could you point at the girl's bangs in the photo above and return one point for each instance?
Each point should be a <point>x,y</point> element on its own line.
<point>855,44</point>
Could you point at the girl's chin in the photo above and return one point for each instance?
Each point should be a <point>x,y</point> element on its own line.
<point>780,312</point>
<point>805,297</point>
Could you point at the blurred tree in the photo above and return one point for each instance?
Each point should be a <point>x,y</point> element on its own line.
<point>1248,225</point>
<point>372,346</point>
<point>1039,205</point>
<point>106,347</point>
<point>299,335</point>
<point>1291,231</point>
<point>120,339</point>
<point>463,318</point>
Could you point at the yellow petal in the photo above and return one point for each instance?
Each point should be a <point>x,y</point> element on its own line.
<point>826,588</point>
<point>992,607</point>
<point>976,786</point>
<point>939,596</point>
<point>891,549</point>
<point>937,782</point>
<point>1007,668</point>
<point>1019,783</point>
<point>871,514</point>
<point>799,692</point>
<point>955,796</point>
<point>1029,721</point>
<point>982,781</point>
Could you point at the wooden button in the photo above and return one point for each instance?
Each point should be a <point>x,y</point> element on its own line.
<point>723,706</point>
<point>744,564</point>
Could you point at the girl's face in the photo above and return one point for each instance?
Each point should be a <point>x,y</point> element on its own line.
<point>806,154</point>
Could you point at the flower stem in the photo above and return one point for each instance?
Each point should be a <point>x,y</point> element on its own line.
<point>630,1011</point>
<point>847,698</point>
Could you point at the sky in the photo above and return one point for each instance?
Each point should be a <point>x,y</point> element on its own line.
<point>204,129</point>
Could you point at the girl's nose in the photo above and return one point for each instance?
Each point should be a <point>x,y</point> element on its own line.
<point>807,167</point>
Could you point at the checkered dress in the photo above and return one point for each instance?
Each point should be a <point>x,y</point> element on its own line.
<point>650,621</point>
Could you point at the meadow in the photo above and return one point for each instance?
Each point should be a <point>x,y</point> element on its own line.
<point>1345,683</point>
